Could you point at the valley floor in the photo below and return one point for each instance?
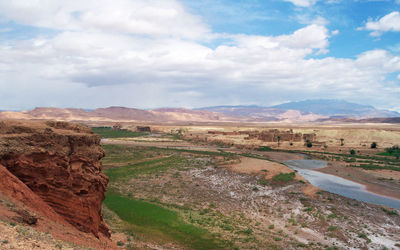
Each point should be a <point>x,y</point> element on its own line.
<point>182,195</point>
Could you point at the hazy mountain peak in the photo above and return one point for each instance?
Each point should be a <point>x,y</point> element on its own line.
<point>336,107</point>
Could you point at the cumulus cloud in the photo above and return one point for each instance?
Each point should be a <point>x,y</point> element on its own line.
<point>91,62</point>
<point>141,17</point>
<point>390,22</point>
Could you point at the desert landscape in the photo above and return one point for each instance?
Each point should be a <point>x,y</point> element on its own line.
<point>199,125</point>
<point>194,184</point>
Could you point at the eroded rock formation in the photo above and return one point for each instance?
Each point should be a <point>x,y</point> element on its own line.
<point>60,163</point>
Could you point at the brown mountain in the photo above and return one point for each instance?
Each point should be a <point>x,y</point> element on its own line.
<point>120,114</point>
<point>213,114</point>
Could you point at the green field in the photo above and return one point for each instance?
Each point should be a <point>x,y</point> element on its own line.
<point>159,223</point>
<point>107,132</point>
<point>152,166</point>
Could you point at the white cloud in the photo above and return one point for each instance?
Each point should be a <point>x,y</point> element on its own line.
<point>302,3</point>
<point>90,63</point>
<point>390,22</point>
<point>141,17</point>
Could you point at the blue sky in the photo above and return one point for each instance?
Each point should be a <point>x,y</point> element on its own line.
<point>159,53</point>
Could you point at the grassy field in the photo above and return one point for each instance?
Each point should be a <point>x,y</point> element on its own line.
<point>153,166</point>
<point>158,222</point>
<point>107,132</point>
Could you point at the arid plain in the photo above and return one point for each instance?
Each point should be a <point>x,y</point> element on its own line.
<point>218,184</point>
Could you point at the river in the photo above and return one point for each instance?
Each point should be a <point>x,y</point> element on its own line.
<point>338,185</point>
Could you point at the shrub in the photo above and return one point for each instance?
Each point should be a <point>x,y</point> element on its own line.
<point>332,215</point>
<point>374,145</point>
<point>393,150</point>
<point>271,226</point>
<point>262,182</point>
<point>264,148</point>
<point>352,152</point>
<point>332,228</point>
<point>284,177</point>
<point>120,243</point>
<point>309,144</point>
<point>389,212</point>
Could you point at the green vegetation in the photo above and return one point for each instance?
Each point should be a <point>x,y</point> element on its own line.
<point>146,167</point>
<point>352,152</point>
<point>392,151</point>
<point>284,177</point>
<point>149,219</point>
<point>201,152</point>
<point>374,145</point>
<point>309,144</point>
<point>262,182</point>
<point>158,222</point>
<point>389,212</point>
<point>363,236</point>
<point>107,132</point>
<point>332,228</point>
<point>122,154</point>
<point>373,167</point>
<point>265,148</point>
<point>332,215</point>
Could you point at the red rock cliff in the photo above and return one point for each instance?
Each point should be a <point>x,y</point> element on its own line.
<point>59,162</point>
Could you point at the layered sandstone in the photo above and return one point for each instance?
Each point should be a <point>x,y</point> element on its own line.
<point>60,163</point>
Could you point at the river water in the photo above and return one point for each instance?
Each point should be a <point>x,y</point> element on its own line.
<point>338,185</point>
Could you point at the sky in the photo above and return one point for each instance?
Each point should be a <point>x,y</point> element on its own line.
<point>193,53</point>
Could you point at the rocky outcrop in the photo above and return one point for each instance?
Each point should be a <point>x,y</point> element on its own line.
<point>60,163</point>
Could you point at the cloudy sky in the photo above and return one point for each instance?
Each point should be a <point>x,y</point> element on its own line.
<point>193,53</point>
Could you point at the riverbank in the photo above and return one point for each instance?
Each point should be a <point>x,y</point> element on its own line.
<point>382,182</point>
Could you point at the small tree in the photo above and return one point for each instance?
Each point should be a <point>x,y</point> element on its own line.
<point>352,152</point>
<point>374,145</point>
<point>309,144</point>
<point>279,140</point>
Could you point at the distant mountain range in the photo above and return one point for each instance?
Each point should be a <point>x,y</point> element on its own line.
<point>292,112</point>
<point>322,107</point>
<point>337,108</point>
